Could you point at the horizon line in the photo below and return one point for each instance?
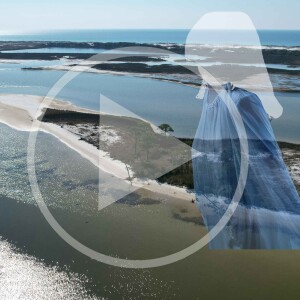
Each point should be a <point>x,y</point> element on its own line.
<point>15,32</point>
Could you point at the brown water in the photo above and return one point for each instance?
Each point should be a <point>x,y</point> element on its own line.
<point>144,226</point>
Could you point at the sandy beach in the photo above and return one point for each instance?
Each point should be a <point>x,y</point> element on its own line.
<point>21,113</point>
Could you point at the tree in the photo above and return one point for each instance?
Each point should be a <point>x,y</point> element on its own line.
<point>166,128</point>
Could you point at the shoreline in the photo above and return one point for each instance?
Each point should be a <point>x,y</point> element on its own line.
<point>187,79</point>
<point>19,113</point>
<point>282,63</point>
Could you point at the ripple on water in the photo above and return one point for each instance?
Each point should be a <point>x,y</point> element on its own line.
<point>24,277</point>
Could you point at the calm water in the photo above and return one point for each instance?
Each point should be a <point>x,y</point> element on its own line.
<point>267,37</point>
<point>33,253</point>
<point>69,185</point>
<point>35,257</point>
<point>156,101</point>
<point>170,60</point>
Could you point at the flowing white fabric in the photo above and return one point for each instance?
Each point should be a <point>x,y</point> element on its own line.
<point>268,214</point>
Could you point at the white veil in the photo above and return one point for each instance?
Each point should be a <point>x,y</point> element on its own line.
<point>266,215</point>
<point>227,45</point>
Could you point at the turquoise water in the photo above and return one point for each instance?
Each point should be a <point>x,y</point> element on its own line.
<point>267,37</point>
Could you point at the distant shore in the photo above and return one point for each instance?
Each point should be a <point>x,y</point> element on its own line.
<point>282,62</point>
<point>272,54</point>
<point>166,72</point>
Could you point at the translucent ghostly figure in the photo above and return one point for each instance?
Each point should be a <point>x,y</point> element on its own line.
<point>268,213</point>
<point>226,55</point>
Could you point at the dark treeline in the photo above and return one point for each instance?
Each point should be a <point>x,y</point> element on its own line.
<point>270,55</point>
<point>183,175</point>
<point>69,117</point>
<point>19,45</point>
<point>144,68</point>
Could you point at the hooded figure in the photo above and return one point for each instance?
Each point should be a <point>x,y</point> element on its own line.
<point>235,127</point>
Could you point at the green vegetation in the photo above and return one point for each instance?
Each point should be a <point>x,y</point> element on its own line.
<point>166,128</point>
<point>149,155</point>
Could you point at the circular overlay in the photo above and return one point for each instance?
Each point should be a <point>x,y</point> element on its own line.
<point>146,263</point>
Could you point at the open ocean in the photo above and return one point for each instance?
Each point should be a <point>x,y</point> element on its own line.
<point>267,37</point>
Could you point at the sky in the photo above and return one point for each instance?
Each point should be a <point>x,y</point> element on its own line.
<point>35,15</point>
